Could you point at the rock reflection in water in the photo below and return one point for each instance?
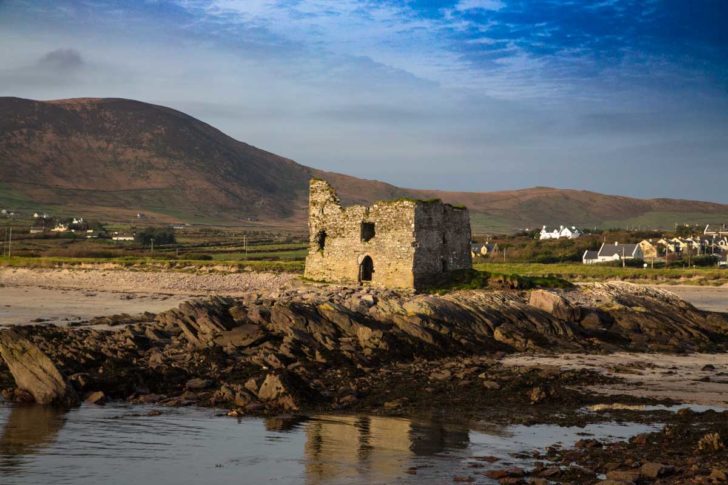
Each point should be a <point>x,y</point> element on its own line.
<point>118,443</point>
<point>344,448</point>
<point>27,430</point>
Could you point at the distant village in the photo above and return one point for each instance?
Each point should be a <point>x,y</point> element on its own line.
<point>709,246</point>
<point>45,223</point>
<point>40,223</point>
<point>688,245</point>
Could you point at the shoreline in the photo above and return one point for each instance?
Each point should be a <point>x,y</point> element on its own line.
<point>64,296</point>
<point>595,354</point>
<point>79,295</point>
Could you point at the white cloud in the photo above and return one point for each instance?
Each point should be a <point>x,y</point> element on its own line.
<point>372,89</point>
<point>389,33</point>
<point>496,5</point>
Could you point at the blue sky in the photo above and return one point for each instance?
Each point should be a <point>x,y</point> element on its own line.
<point>616,96</point>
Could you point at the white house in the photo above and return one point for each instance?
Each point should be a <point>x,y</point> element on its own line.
<point>613,252</point>
<point>590,257</point>
<point>560,233</point>
<point>117,236</point>
<point>715,231</point>
<point>60,227</point>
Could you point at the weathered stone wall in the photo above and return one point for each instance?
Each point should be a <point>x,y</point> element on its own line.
<point>413,241</point>
<point>391,249</point>
<point>443,240</point>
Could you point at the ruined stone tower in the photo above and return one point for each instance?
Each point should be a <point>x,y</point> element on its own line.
<point>403,243</point>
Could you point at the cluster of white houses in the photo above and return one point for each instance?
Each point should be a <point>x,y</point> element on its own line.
<point>76,225</point>
<point>44,222</point>
<point>560,233</point>
<point>649,251</point>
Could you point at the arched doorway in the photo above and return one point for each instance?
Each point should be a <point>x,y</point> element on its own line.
<point>366,269</point>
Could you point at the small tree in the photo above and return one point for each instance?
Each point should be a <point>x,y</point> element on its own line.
<point>160,235</point>
<point>683,230</point>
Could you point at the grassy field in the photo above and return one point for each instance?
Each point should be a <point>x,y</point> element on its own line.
<point>205,248</point>
<point>152,264</point>
<point>584,273</point>
<point>196,249</point>
<point>298,254</point>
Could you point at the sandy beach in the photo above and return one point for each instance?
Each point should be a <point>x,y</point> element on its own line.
<point>710,298</point>
<point>684,378</point>
<point>63,296</point>
<point>66,295</point>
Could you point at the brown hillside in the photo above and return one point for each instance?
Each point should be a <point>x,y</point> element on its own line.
<point>114,157</point>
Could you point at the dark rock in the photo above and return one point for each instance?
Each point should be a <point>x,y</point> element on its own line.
<point>148,398</point>
<point>201,320</point>
<point>245,335</point>
<point>553,304</point>
<point>588,444</point>
<point>441,375</point>
<point>34,372</point>
<point>197,384</point>
<point>640,439</point>
<point>98,398</point>
<point>252,385</point>
<point>277,389</point>
<point>656,470</point>
<point>719,475</point>
<point>224,394</point>
<point>487,458</point>
<point>512,472</point>
<point>550,472</point>
<point>628,476</point>
<point>243,398</point>
<point>395,404</point>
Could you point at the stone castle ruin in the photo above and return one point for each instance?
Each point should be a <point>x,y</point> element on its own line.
<point>404,243</point>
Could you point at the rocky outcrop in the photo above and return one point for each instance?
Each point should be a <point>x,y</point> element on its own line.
<point>34,372</point>
<point>202,320</point>
<point>325,346</point>
<point>554,304</point>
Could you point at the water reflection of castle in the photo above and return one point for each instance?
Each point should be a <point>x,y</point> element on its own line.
<point>343,447</point>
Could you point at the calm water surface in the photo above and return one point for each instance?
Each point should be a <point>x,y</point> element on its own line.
<point>124,444</point>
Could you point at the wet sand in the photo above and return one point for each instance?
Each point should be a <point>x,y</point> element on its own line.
<point>63,296</point>
<point>22,305</point>
<point>658,376</point>
<point>709,298</point>
<point>168,282</point>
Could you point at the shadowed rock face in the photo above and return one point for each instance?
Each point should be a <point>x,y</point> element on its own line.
<point>34,372</point>
<point>306,346</point>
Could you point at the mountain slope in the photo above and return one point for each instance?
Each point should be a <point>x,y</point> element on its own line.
<point>112,158</point>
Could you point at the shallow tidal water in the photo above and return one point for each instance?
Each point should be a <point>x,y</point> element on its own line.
<point>130,444</point>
